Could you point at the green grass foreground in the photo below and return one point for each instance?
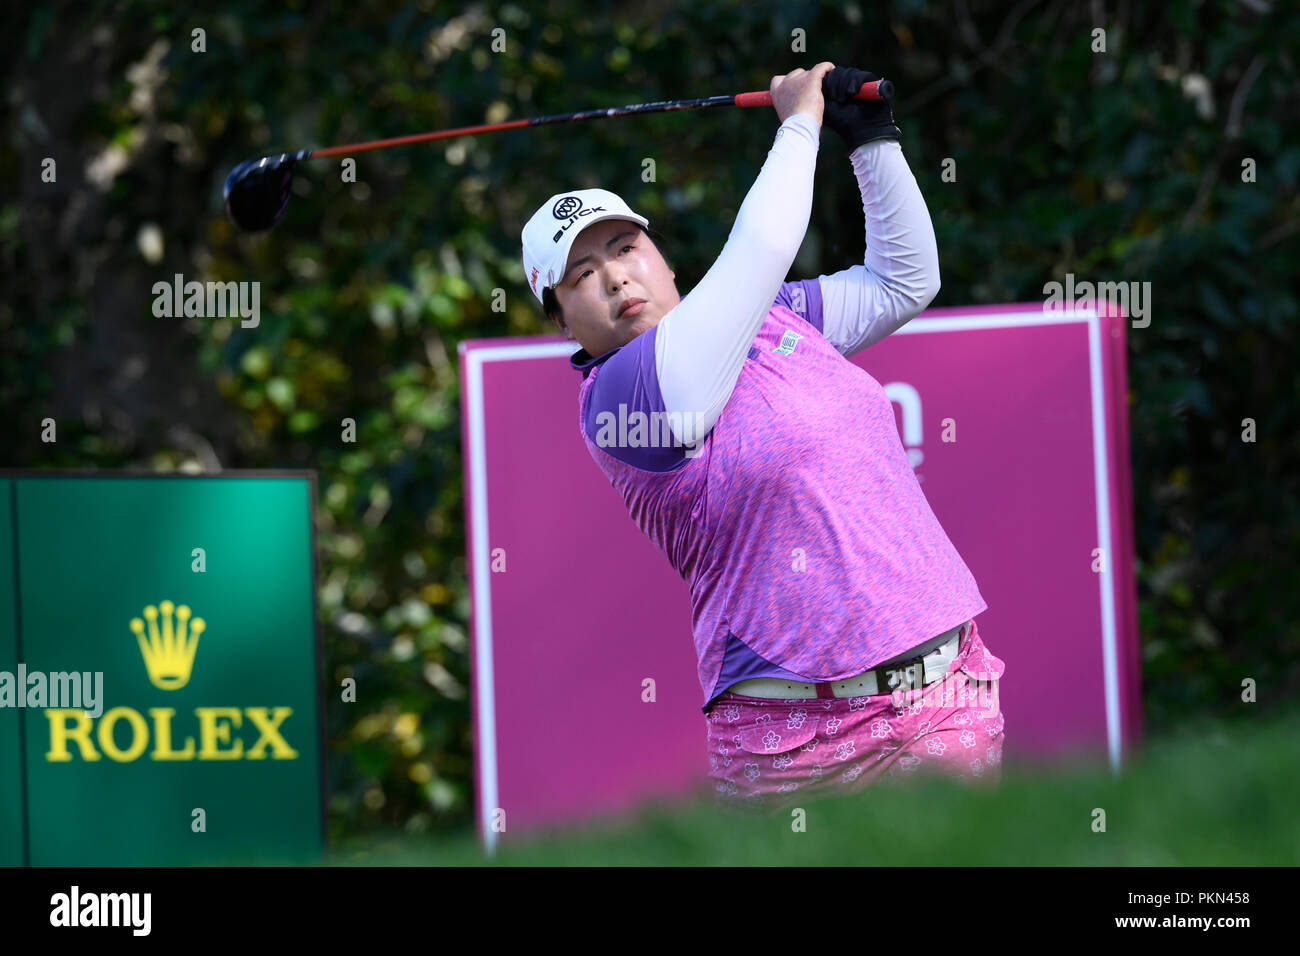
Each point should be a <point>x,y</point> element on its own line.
<point>1219,794</point>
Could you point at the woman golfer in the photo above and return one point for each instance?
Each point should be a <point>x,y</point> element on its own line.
<point>833,618</point>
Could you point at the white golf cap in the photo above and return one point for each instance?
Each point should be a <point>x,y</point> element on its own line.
<point>549,235</point>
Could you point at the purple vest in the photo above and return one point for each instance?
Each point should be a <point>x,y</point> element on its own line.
<point>810,551</point>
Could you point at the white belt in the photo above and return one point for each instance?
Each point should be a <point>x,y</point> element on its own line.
<point>925,663</point>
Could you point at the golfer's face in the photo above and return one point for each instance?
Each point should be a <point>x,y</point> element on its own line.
<point>610,264</point>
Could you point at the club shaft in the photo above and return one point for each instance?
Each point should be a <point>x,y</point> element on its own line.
<point>875,90</point>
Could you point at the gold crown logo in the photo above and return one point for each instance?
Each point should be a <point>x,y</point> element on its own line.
<point>168,653</point>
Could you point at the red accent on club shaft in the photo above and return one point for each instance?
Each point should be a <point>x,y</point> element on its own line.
<point>419,138</point>
<point>869,91</point>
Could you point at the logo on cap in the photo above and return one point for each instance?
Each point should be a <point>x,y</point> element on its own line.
<point>566,207</point>
<point>570,208</point>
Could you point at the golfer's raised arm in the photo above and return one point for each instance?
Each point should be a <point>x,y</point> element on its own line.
<point>900,274</point>
<point>702,344</point>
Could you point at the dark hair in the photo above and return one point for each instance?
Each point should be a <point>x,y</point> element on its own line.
<point>551,305</point>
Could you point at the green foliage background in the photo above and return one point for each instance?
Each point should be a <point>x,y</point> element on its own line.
<point>1124,166</point>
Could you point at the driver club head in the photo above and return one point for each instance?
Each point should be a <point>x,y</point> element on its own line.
<point>257,191</point>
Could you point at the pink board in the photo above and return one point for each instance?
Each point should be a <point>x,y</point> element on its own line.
<point>573,607</point>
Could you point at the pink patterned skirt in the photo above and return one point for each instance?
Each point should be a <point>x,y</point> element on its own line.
<point>769,753</point>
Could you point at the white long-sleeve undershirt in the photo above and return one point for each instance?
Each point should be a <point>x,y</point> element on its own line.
<point>701,344</point>
<point>900,273</point>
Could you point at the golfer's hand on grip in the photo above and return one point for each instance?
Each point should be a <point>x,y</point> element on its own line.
<point>800,91</point>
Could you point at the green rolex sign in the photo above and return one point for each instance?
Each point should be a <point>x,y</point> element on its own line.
<point>160,698</point>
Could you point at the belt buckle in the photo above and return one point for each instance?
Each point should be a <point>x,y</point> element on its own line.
<point>894,676</point>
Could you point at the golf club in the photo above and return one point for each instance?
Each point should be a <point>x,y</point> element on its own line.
<point>256,192</point>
